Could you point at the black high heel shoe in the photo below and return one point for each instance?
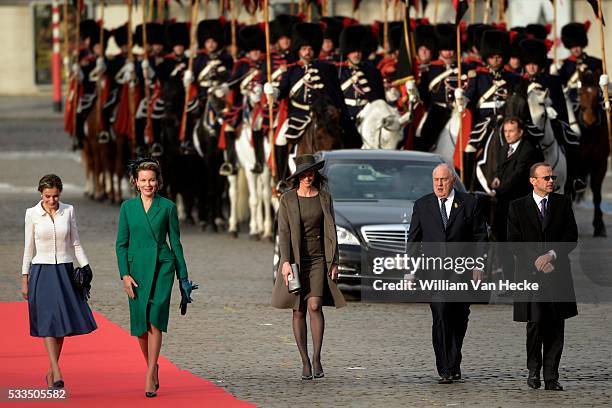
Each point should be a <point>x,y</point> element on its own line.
<point>157,374</point>
<point>150,394</point>
<point>319,374</point>
<point>58,384</point>
<point>307,377</point>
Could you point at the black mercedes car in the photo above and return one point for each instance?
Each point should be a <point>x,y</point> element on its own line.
<point>373,194</point>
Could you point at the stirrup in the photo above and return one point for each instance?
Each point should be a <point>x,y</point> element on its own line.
<point>282,186</point>
<point>104,137</point>
<point>227,169</point>
<point>579,186</point>
<point>187,147</point>
<point>257,168</point>
<point>157,150</point>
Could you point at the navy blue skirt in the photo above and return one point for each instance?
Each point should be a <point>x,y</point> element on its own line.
<point>56,310</point>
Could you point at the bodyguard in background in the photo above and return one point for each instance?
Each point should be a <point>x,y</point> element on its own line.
<point>51,243</point>
<point>448,215</point>
<point>307,237</point>
<point>542,220</point>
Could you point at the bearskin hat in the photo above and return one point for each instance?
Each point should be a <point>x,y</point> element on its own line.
<point>517,35</point>
<point>574,35</point>
<point>332,27</point>
<point>537,31</point>
<point>252,37</point>
<point>425,36</point>
<point>90,29</point>
<point>356,38</point>
<point>495,42</point>
<point>446,36</point>
<point>534,51</point>
<point>155,34</point>
<point>396,32</point>
<point>281,26</point>
<point>177,34</point>
<point>120,34</point>
<point>307,34</point>
<point>210,29</point>
<point>474,34</point>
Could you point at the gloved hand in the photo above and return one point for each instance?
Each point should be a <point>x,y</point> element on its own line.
<point>392,95</point>
<point>187,78</point>
<point>221,90</point>
<point>554,69</point>
<point>410,86</point>
<point>100,65</point>
<point>459,99</point>
<point>186,286</point>
<point>270,91</point>
<point>128,72</point>
<point>78,72</point>
<point>255,94</point>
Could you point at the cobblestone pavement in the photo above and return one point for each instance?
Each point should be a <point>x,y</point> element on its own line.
<point>374,354</point>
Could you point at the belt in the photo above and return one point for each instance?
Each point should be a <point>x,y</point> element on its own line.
<point>300,106</point>
<point>356,102</point>
<point>492,105</point>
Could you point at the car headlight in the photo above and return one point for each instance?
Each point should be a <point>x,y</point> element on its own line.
<point>345,237</point>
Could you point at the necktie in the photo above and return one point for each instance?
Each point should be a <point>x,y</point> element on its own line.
<point>510,151</point>
<point>543,208</point>
<point>443,212</point>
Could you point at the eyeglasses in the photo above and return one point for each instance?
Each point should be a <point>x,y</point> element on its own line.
<point>548,178</point>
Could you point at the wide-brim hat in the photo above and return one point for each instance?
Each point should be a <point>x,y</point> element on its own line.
<point>534,51</point>
<point>495,42</point>
<point>574,35</point>
<point>307,34</point>
<point>304,163</point>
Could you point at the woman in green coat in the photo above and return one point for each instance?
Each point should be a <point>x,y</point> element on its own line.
<point>147,264</point>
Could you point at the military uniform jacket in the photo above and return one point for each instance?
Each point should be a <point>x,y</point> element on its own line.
<point>572,69</point>
<point>438,82</point>
<point>555,92</point>
<point>210,70</point>
<point>172,67</point>
<point>359,84</point>
<point>244,78</point>
<point>302,85</point>
<point>487,91</point>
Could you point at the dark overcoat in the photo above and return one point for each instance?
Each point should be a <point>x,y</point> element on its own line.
<point>532,238</point>
<point>290,238</point>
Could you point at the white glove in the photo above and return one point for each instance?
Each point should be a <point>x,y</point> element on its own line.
<point>270,91</point>
<point>187,78</point>
<point>145,64</point>
<point>604,80</point>
<point>554,69</point>
<point>459,99</point>
<point>221,90</point>
<point>100,65</point>
<point>392,95</point>
<point>255,94</point>
<point>410,86</point>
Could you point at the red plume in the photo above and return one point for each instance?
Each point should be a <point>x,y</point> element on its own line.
<point>500,26</point>
<point>587,25</point>
<point>413,24</point>
<point>548,27</point>
<point>549,44</point>
<point>513,35</point>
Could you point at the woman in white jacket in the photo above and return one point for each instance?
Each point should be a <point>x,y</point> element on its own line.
<point>51,243</point>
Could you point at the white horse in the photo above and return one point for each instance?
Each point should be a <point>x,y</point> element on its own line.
<point>379,125</point>
<point>259,189</point>
<point>541,114</point>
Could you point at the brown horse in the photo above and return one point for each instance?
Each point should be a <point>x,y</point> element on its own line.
<point>594,146</point>
<point>323,132</point>
<point>93,152</point>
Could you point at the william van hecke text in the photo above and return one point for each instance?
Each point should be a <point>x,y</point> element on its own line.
<point>446,285</point>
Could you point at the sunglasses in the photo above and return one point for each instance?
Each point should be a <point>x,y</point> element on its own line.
<point>548,178</point>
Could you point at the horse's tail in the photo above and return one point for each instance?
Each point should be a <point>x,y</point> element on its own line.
<point>242,208</point>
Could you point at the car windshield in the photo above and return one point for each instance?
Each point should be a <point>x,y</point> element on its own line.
<point>379,179</point>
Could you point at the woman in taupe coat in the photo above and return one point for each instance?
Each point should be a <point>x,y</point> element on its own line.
<point>307,237</point>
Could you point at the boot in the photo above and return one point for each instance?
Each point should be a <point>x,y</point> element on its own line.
<point>229,167</point>
<point>259,152</point>
<point>281,156</point>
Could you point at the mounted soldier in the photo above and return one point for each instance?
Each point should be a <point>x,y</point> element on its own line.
<point>331,37</point>
<point>244,100</point>
<point>305,82</point>
<point>360,82</point>
<point>486,94</point>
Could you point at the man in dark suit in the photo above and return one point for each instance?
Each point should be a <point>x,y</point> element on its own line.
<point>511,180</point>
<point>544,225</point>
<point>445,216</point>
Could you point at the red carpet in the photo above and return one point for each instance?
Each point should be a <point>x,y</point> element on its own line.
<point>101,369</point>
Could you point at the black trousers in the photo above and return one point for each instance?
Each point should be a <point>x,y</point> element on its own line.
<point>544,346</point>
<point>450,321</point>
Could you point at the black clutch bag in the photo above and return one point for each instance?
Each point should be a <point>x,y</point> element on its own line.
<point>81,280</point>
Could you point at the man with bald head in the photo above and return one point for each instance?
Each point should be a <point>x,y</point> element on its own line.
<point>448,215</point>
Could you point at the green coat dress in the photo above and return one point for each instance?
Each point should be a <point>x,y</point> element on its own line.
<point>143,253</point>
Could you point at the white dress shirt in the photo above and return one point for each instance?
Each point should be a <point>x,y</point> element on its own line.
<point>514,146</point>
<point>538,201</point>
<point>54,240</point>
<point>448,204</point>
